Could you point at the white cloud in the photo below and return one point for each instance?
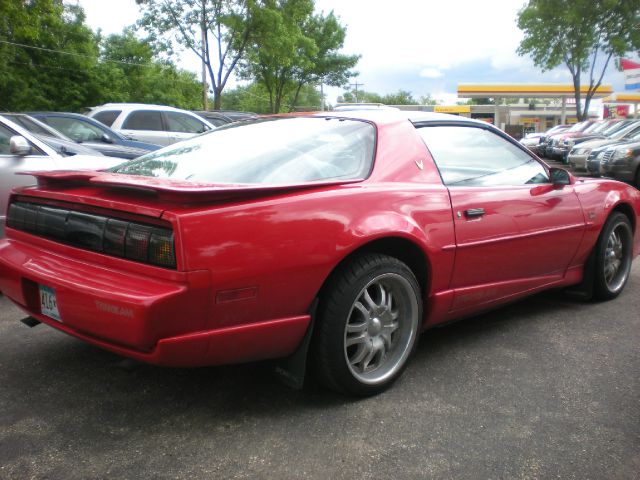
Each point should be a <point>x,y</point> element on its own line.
<point>112,16</point>
<point>431,73</point>
<point>422,46</point>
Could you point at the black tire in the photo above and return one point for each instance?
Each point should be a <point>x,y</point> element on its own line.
<point>613,256</point>
<point>637,182</point>
<point>368,322</point>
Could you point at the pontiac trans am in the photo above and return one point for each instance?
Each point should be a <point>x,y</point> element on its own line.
<point>334,238</point>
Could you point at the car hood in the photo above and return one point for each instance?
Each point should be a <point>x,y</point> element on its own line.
<point>147,147</point>
<point>634,144</point>
<point>67,147</point>
<point>563,136</point>
<point>115,150</point>
<point>595,143</point>
<point>613,144</point>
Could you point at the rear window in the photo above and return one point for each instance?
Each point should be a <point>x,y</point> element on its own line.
<point>269,151</point>
<point>107,116</point>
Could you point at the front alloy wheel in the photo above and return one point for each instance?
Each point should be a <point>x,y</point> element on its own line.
<point>613,257</point>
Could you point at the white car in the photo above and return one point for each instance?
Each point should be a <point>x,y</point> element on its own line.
<point>20,151</point>
<point>151,123</point>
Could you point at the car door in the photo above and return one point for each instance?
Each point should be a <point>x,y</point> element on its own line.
<point>10,164</point>
<point>515,230</point>
<point>181,126</point>
<point>145,126</point>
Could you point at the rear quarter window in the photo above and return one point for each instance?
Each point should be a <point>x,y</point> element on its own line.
<point>107,116</point>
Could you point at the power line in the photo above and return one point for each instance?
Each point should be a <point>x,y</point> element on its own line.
<point>39,65</point>
<point>74,54</point>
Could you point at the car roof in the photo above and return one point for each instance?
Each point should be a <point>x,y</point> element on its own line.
<point>390,116</point>
<point>136,106</point>
<point>63,114</point>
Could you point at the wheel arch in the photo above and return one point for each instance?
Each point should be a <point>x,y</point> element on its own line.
<point>402,248</point>
<point>627,211</point>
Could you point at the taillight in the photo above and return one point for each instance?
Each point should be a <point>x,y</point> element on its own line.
<point>98,233</point>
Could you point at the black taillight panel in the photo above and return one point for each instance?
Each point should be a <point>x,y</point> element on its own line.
<point>99,233</point>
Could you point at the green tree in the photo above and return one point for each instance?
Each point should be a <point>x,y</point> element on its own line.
<point>132,73</point>
<point>327,66</point>
<point>280,48</point>
<point>247,98</point>
<point>581,34</point>
<point>428,100</point>
<point>217,31</point>
<point>401,97</point>
<point>255,98</point>
<point>362,96</point>
<point>297,48</point>
<point>47,56</point>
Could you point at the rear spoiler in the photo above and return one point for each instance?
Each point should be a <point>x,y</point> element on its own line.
<point>179,191</point>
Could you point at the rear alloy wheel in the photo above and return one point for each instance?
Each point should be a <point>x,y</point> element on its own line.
<point>613,257</point>
<point>368,325</point>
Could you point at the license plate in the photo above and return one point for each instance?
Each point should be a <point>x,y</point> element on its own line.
<point>49,303</point>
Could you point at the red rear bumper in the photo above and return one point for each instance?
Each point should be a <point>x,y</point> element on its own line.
<point>163,321</point>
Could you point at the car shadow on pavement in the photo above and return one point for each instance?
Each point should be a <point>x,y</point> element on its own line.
<point>94,379</point>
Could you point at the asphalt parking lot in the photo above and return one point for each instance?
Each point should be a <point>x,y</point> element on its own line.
<point>545,388</point>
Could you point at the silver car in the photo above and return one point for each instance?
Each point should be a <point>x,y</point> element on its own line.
<point>156,124</point>
<point>20,151</point>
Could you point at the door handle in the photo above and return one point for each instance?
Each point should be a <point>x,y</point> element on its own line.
<point>474,212</point>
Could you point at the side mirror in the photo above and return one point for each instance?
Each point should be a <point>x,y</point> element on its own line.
<point>106,138</point>
<point>559,177</point>
<point>19,145</point>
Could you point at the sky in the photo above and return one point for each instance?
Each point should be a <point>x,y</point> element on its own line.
<point>423,46</point>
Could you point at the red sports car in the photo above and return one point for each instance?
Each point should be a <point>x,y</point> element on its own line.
<point>333,237</point>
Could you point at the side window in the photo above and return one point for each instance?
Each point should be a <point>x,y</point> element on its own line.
<point>217,121</point>
<point>474,156</point>
<point>179,122</point>
<point>143,120</point>
<point>5,138</point>
<point>107,116</point>
<point>77,130</point>
<point>5,142</point>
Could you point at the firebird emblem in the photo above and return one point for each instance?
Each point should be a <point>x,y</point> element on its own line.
<point>115,309</point>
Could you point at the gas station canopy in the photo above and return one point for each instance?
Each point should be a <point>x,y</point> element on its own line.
<point>523,90</point>
<point>622,98</point>
<point>527,91</point>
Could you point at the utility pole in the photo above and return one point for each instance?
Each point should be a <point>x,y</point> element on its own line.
<point>356,85</point>
<point>205,87</point>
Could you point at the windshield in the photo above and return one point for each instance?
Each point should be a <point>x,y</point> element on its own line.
<point>268,151</point>
<point>578,127</point>
<point>29,124</point>
<point>596,127</point>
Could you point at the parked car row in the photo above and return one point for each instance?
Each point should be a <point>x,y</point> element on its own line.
<point>22,151</point>
<point>39,141</point>
<point>609,148</point>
